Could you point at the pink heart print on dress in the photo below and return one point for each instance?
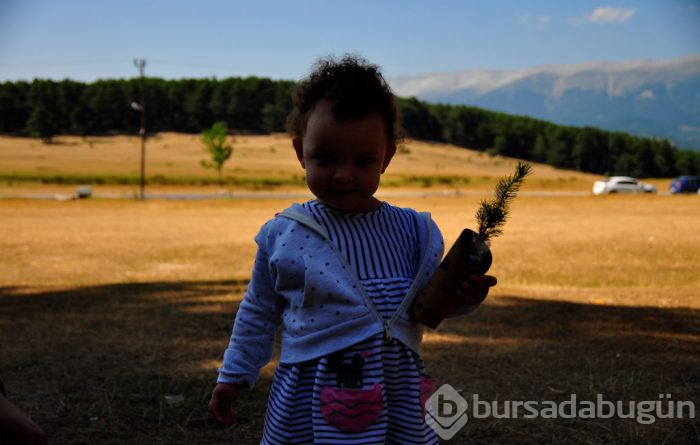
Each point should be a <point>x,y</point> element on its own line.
<point>351,409</point>
<point>428,385</point>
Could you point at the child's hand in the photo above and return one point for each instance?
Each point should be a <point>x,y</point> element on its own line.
<point>221,403</point>
<point>17,428</point>
<point>476,288</point>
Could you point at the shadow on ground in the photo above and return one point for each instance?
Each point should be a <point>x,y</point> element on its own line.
<point>135,363</point>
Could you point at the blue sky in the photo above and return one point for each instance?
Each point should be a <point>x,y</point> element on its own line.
<point>90,39</point>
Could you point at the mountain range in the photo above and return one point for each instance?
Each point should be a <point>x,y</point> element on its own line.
<point>658,98</point>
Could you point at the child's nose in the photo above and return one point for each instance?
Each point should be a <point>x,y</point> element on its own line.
<point>344,173</point>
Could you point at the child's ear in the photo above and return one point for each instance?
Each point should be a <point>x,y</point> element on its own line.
<point>390,152</point>
<point>298,144</point>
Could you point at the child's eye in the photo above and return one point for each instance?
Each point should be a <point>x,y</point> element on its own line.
<point>323,159</point>
<point>365,161</point>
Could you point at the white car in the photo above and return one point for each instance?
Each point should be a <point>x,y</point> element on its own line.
<point>622,184</point>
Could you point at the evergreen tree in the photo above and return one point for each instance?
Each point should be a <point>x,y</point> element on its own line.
<point>617,145</point>
<point>540,150</point>
<point>625,164</point>
<point>196,105</point>
<point>109,106</point>
<point>688,163</point>
<point>560,143</point>
<point>45,108</point>
<point>43,120</point>
<point>589,151</point>
<point>13,106</point>
<point>417,120</point>
<point>274,117</point>
<point>644,165</point>
<point>664,159</point>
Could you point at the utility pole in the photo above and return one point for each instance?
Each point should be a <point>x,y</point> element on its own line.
<point>141,107</point>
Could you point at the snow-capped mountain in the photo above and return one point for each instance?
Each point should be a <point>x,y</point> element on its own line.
<point>658,98</point>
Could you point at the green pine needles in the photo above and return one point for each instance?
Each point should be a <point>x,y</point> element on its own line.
<point>493,214</point>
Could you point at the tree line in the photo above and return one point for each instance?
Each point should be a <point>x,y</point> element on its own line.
<point>45,108</point>
<point>585,149</point>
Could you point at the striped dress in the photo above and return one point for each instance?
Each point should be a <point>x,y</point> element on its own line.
<point>382,246</point>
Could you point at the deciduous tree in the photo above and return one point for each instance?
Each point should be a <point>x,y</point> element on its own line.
<point>216,145</point>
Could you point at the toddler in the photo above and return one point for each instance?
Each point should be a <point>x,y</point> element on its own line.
<point>338,274</point>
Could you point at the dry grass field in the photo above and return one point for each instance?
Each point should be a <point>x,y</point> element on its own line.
<point>257,162</point>
<point>114,313</point>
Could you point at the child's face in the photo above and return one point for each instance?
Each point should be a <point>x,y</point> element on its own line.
<point>344,159</point>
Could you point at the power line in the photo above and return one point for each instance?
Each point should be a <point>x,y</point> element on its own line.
<point>208,66</point>
<point>83,62</point>
<point>64,63</point>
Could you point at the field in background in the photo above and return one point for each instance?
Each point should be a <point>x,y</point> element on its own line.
<point>618,249</point>
<point>114,313</point>
<point>258,162</point>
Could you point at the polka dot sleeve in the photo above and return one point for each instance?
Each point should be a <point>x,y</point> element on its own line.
<point>257,319</point>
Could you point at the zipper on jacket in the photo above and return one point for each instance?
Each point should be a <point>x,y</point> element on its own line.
<point>411,292</point>
<point>313,226</point>
<point>387,331</point>
<point>360,287</point>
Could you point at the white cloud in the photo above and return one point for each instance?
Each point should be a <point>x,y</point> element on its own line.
<point>535,21</point>
<point>612,14</point>
<point>647,95</point>
<point>606,14</point>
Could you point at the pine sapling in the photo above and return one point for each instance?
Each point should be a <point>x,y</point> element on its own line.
<point>493,214</point>
<point>470,254</point>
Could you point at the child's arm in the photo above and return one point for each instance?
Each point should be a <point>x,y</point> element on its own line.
<point>252,340</point>
<point>257,319</point>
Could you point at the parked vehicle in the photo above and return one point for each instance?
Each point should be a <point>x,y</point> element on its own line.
<point>622,184</point>
<point>685,184</point>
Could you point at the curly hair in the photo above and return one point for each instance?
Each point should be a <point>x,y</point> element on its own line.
<point>355,88</point>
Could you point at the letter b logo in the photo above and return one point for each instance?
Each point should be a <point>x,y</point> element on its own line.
<point>446,408</point>
<point>446,412</point>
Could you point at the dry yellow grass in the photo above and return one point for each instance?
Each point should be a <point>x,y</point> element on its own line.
<point>272,157</point>
<point>128,302</point>
<point>632,250</point>
<point>639,250</point>
<point>111,305</point>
